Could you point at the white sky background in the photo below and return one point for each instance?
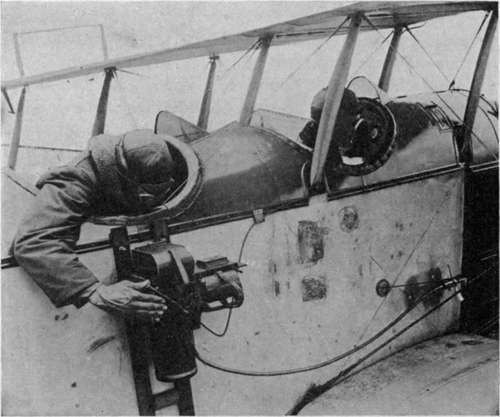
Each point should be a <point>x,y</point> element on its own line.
<point>62,113</point>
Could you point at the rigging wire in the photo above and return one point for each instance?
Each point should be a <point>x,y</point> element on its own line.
<point>316,390</point>
<point>434,90</point>
<point>137,74</point>
<point>487,326</point>
<point>373,53</point>
<point>247,54</point>
<point>251,48</point>
<point>316,50</point>
<point>427,54</point>
<point>45,148</point>
<point>485,112</point>
<point>327,362</point>
<point>125,101</point>
<point>452,83</point>
<point>412,252</point>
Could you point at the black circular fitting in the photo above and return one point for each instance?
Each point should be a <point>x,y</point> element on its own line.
<point>383,288</point>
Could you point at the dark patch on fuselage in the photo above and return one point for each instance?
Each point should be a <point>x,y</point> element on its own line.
<point>360,270</point>
<point>423,283</point>
<point>276,288</point>
<point>273,268</point>
<point>57,317</point>
<point>310,240</point>
<point>349,218</point>
<point>313,288</point>
<point>472,342</point>
<point>96,344</point>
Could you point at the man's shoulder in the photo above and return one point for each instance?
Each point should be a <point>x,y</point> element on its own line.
<point>79,169</point>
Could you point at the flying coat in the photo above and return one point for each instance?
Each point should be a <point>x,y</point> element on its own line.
<point>97,182</point>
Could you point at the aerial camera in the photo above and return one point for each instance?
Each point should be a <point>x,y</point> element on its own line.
<point>189,289</point>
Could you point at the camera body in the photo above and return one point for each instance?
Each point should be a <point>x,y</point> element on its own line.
<point>189,288</point>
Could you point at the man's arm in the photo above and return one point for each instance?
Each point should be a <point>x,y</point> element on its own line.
<point>45,247</point>
<point>46,239</point>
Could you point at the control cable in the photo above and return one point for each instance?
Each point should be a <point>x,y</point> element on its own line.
<point>316,390</point>
<point>328,361</point>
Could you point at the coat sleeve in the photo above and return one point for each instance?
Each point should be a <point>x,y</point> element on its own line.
<point>45,242</point>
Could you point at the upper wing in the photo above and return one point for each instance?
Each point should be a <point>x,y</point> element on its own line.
<point>382,15</point>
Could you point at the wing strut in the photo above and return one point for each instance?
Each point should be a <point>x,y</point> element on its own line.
<point>16,136</point>
<point>207,96</point>
<point>333,98</point>
<point>253,87</point>
<point>475,89</point>
<point>102,106</point>
<point>390,59</point>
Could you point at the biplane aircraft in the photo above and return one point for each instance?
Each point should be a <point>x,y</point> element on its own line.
<point>338,281</point>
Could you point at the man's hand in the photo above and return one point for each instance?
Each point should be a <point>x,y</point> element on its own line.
<point>130,298</point>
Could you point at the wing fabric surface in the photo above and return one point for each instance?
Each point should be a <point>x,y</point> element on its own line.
<point>383,15</point>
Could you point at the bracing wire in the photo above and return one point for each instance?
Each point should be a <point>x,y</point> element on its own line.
<point>427,54</point>
<point>433,89</point>
<point>251,48</point>
<point>405,264</point>
<point>247,54</point>
<point>372,53</point>
<point>125,101</point>
<point>452,83</point>
<point>491,123</point>
<point>314,52</point>
<point>316,390</point>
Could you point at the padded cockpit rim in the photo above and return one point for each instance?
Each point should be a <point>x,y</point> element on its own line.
<point>173,208</point>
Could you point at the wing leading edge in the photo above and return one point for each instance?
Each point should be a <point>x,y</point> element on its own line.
<point>382,15</point>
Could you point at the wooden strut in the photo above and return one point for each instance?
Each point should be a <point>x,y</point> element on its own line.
<point>475,89</point>
<point>16,135</point>
<point>207,96</point>
<point>333,98</point>
<point>253,87</point>
<point>102,105</point>
<point>390,59</point>
<point>17,49</point>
